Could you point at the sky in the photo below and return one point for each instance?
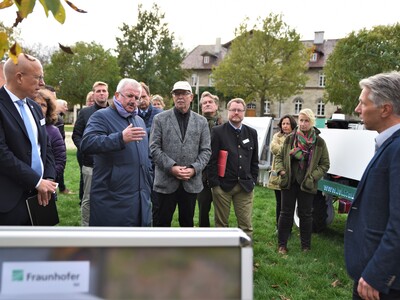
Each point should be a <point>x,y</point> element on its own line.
<point>201,22</point>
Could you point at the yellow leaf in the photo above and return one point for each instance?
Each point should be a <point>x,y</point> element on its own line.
<point>15,50</point>
<point>55,7</point>
<point>6,3</point>
<point>3,43</point>
<point>25,7</point>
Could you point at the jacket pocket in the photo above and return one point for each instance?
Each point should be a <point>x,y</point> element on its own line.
<point>284,180</point>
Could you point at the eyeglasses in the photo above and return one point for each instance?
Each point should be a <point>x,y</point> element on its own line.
<point>181,93</point>
<point>37,77</point>
<point>236,110</point>
<point>130,96</point>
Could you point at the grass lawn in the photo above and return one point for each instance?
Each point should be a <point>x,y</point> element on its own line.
<point>318,274</point>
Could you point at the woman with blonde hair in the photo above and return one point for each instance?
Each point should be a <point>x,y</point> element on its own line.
<point>301,163</point>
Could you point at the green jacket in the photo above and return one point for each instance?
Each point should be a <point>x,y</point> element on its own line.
<point>319,164</point>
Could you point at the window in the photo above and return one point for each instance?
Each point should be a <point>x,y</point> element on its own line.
<point>298,104</point>
<point>314,57</point>
<point>321,81</point>
<point>194,79</point>
<point>267,107</point>
<point>206,59</point>
<point>320,108</point>
<point>251,106</point>
<point>210,80</point>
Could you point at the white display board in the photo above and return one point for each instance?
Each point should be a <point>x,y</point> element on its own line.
<point>125,263</point>
<point>350,151</point>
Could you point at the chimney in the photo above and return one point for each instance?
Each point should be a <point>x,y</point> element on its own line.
<point>218,45</point>
<point>319,37</point>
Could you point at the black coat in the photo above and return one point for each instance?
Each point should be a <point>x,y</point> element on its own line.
<point>16,175</point>
<point>242,162</point>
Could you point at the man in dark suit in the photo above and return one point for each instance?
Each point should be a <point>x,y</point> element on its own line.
<point>180,148</point>
<point>237,184</point>
<point>26,160</point>
<point>372,237</point>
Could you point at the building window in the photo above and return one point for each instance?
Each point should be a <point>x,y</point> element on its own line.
<point>321,81</point>
<point>206,59</point>
<point>194,79</point>
<point>251,106</point>
<point>210,80</point>
<point>267,107</point>
<point>298,105</point>
<point>321,108</point>
<point>314,57</point>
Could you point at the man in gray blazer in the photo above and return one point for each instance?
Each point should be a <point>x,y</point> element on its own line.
<point>180,148</point>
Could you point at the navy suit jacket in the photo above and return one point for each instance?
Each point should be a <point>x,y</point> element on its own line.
<point>17,177</point>
<point>372,237</point>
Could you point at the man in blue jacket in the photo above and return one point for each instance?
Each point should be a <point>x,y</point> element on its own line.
<point>372,237</point>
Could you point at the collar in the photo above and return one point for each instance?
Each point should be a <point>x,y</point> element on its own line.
<point>384,135</point>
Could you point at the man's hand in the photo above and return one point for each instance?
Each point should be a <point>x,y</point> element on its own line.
<point>182,172</point>
<point>131,134</point>
<point>45,189</point>
<point>366,291</point>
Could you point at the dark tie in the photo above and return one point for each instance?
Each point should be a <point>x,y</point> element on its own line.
<point>237,130</point>
<point>36,163</point>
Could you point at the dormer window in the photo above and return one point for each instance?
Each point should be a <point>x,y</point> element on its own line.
<point>206,59</point>
<point>314,57</point>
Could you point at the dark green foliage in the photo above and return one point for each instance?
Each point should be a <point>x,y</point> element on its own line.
<point>360,55</point>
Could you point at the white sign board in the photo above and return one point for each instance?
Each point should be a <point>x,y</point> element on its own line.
<point>350,151</point>
<point>44,277</point>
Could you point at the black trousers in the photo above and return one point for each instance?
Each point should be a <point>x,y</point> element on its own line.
<point>393,294</point>
<point>304,207</point>
<point>278,205</point>
<point>204,199</point>
<point>186,205</point>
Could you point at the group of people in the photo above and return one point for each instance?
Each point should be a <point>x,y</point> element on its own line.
<point>131,151</point>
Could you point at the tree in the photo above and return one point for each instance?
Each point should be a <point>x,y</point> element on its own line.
<point>357,56</point>
<point>147,52</point>
<point>24,8</point>
<point>266,63</point>
<point>73,75</point>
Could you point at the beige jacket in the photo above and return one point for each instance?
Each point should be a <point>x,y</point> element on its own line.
<point>276,144</point>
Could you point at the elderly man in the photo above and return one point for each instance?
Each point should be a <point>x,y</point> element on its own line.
<point>180,148</point>
<point>122,174</point>
<point>209,109</point>
<point>26,161</point>
<point>372,236</point>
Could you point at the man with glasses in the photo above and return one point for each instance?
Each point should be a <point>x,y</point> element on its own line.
<point>180,148</point>
<point>234,147</point>
<point>100,96</point>
<point>26,160</point>
<point>122,173</point>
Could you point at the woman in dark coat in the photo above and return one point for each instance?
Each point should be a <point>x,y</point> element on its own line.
<point>47,102</point>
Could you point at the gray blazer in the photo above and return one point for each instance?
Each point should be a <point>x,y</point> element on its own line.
<point>168,149</point>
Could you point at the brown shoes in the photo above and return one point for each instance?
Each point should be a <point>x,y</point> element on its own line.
<point>282,250</point>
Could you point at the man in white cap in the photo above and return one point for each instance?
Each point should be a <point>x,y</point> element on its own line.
<point>180,148</point>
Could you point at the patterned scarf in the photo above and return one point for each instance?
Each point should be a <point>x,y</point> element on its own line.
<point>303,145</point>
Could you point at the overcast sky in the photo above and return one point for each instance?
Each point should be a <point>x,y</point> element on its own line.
<point>202,22</point>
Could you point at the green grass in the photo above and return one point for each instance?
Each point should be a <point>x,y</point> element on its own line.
<point>318,274</point>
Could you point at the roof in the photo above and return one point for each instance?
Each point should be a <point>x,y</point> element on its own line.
<point>194,60</point>
<point>324,50</point>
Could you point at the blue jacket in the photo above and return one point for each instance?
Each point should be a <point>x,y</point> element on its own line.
<point>148,118</point>
<point>372,237</point>
<point>122,173</point>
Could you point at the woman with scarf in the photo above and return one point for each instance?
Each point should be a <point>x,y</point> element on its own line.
<point>302,161</point>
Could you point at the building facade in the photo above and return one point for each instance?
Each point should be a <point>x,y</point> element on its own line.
<point>200,60</point>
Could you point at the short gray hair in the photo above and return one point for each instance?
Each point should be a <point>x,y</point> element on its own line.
<point>384,88</point>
